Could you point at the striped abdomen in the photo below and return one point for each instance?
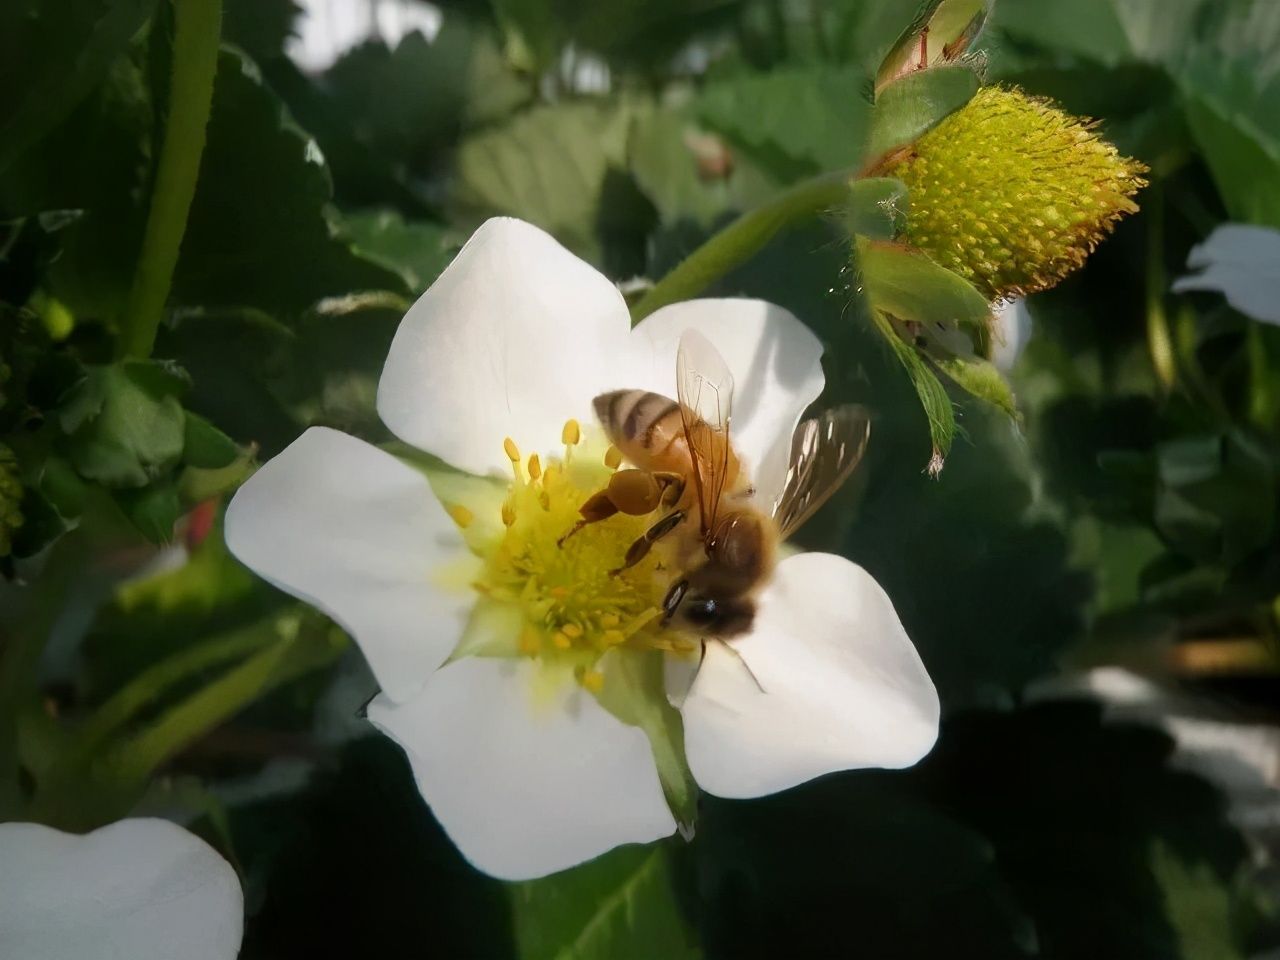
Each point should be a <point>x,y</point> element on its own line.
<point>648,429</point>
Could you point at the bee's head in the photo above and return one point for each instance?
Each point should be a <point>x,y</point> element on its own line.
<point>711,616</point>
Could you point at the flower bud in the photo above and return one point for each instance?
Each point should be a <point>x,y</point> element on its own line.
<point>1013,194</point>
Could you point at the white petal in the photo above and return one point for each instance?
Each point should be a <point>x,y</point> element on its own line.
<point>1013,332</point>
<point>839,686</point>
<point>515,337</point>
<point>358,534</point>
<point>526,778</point>
<point>135,890</point>
<point>776,365</point>
<point>1243,263</point>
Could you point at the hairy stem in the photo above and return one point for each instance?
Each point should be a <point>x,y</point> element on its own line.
<point>195,62</point>
<point>742,239</point>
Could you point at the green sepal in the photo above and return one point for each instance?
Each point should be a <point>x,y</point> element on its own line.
<point>981,379</point>
<point>907,285</point>
<point>909,108</point>
<point>877,208</point>
<point>948,29</point>
<point>933,396</point>
<point>635,692</point>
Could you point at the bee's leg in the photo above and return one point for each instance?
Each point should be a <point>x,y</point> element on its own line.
<point>672,487</point>
<point>633,492</point>
<point>640,546</point>
<point>598,507</point>
<point>671,602</point>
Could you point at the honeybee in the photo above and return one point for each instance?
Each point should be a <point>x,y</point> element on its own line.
<point>683,463</point>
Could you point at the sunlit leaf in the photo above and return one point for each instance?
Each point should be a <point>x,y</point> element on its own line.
<point>619,907</point>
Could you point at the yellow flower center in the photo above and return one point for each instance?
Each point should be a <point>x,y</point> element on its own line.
<point>575,602</point>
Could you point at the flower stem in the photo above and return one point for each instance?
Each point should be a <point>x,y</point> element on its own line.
<point>742,239</point>
<point>178,728</point>
<point>195,63</point>
<point>151,683</point>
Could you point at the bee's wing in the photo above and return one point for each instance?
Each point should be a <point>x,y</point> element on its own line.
<point>824,451</point>
<point>704,387</point>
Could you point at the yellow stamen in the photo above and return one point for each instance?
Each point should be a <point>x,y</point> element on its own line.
<point>508,515</point>
<point>593,680</point>
<point>535,467</point>
<point>612,638</point>
<point>610,620</point>
<point>530,642</point>
<point>572,630</point>
<point>561,641</point>
<point>460,514</point>
<point>513,452</point>
<point>613,458</point>
<point>571,434</point>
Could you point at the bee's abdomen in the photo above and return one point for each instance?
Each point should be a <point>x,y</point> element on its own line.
<point>635,416</point>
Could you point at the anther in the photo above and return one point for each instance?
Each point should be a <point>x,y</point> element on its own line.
<point>613,458</point>
<point>508,515</point>
<point>561,640</point>
<point>535,467</point>
<point>460,514</point>
<point>513,452</point>
<point>572,630</point>
<point>593,680</point>
<point>612,638</point>
<point>571,433</point>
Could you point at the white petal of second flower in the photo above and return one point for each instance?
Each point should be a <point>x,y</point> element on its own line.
<point>840,686</point>
<point>776,363</point>
<point>135,890</point>
<point>526,778</point>
<point>358,534</point>
<point>1243,263</point>
<point>515,337</point>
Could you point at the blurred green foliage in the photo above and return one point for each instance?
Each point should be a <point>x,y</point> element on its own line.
<point>1126,511</point>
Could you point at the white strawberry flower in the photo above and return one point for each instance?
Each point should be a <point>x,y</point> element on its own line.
<point>1242,262</point>
<point>525,683</point>
<point>142,889</point>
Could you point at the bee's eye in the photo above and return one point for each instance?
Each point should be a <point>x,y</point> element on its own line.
<point>701,612</point>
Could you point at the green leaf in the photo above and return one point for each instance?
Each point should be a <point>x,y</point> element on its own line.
<point>798,120</point>
<point>417,250</point>
<point>85,182</point>
<point>124,424</point>
<point>690,174</point>
<point>618,907</point>
<point>912,106</point>
<point>980,379</point>
<point>878,208</point>
<point>153,510</point>
<point>909,286</point>
<point>556,166</point>
<point>205,446</point>
<point>1198,903</point>
<point>1234,115</point>
<point>52,52</point>
<point>258,233</point>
